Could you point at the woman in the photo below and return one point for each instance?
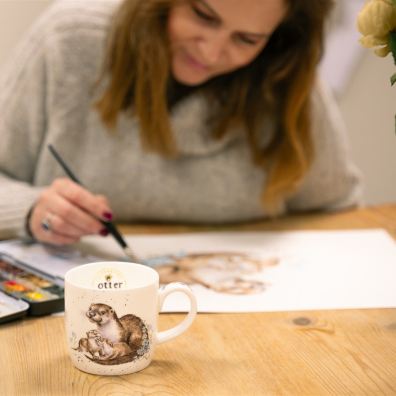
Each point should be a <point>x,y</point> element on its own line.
<point>169,110</point>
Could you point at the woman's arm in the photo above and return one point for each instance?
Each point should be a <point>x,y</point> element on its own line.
<point>27,120</point>
<point>22,125</point>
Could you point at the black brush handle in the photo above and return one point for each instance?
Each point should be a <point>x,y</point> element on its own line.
<point>108,224</point>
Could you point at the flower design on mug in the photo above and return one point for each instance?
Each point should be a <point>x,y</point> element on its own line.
<point>114,340</point>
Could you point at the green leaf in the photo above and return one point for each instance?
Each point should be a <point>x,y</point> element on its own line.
<point>392,44</point>
<point>394,2</point>
<point>393,79</point>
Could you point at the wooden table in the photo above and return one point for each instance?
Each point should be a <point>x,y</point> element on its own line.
<point>287,353</point>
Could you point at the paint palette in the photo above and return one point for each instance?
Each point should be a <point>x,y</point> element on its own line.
<point>24,290</point>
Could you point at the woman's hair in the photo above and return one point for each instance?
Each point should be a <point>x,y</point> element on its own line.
<point>276,86</point>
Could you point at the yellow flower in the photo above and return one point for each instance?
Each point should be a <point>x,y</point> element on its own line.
<point>375,22</point>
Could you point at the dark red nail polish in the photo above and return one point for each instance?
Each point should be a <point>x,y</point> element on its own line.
<point>104,232</point>
<point>108,215</point>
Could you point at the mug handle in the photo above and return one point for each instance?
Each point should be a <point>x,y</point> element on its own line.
<point>167,335</point>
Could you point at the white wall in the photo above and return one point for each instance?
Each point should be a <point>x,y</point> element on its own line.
<point>361,83</point>
<point>367,101</point>
<point>15,18</point>
<point>369,109</point>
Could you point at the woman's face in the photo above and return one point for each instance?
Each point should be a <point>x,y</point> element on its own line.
<point>213,37</point>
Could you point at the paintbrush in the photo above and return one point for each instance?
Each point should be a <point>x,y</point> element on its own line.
<point>107,224</point>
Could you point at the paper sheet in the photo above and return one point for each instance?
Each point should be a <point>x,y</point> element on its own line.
<point>265,271</point>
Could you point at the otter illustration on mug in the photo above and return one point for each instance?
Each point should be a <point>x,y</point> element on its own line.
<point>111,311</point>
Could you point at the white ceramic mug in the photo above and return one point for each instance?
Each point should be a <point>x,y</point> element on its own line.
<point>111,311</point>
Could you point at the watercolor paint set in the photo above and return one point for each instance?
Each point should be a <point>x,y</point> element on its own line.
<point>27,291</point>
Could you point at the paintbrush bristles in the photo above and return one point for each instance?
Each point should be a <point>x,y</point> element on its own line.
<point>131,255</point>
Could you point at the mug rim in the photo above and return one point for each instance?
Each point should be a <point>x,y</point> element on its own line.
<point>71,272</point>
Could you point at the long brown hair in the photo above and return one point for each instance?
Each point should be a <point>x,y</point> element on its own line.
<point>276,86</point>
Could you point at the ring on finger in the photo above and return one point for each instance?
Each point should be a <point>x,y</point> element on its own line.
<point>46,223</point>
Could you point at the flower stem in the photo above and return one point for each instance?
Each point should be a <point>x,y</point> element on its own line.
<point>392,44</point>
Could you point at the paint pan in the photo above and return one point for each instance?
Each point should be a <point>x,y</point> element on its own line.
<point>24,290</point>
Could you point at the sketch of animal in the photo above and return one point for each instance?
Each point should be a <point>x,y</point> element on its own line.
<point>224,272</point>
<point>90,344</point>
<point>101,348</point>
<point>129,329</point>
<point>93,343</point>
<point>108,350</point>
<point>113,351</point>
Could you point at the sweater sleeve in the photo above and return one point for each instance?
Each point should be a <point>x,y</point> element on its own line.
<point>333,181</point>
<point>23,86</point>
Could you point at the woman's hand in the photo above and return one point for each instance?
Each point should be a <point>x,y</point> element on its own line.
<point>65,212</point>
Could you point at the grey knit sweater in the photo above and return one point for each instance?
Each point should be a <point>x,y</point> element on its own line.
<point>46,97</point>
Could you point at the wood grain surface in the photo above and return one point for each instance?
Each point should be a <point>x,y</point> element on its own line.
<point>334,352</point>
